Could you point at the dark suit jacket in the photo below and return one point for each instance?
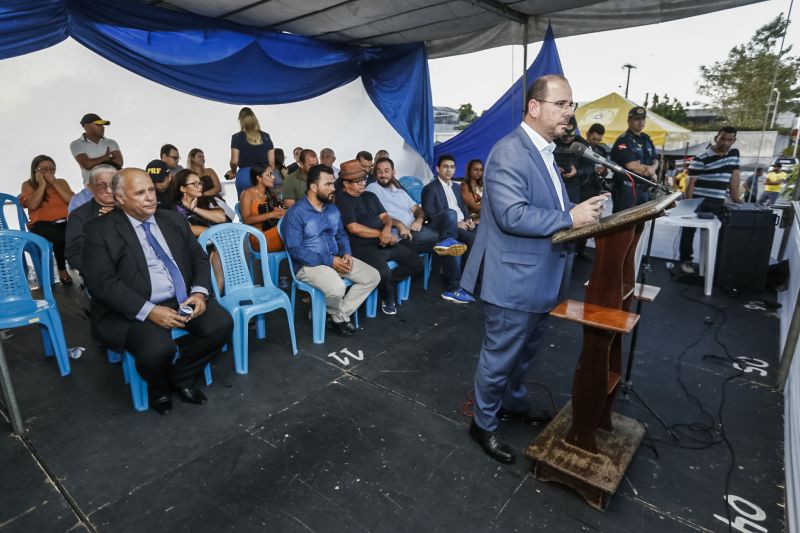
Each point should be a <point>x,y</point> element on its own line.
<point>116,272</point>
<point>522,269</point>
<point>434,200</point>
<point>75,228</point>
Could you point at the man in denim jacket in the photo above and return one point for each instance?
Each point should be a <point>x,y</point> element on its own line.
<point>320,250</point>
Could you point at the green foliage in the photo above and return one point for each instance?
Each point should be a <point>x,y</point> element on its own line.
<point>466,114</point>
<point>669,109</point>
<point>740,85</point>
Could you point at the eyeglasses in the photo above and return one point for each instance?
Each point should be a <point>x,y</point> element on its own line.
<point>100,185</point>
<point>46,169</point>
<point>361,181</point>
<point>175,157</point>
<point>563,104</point>
<point>192,184</point>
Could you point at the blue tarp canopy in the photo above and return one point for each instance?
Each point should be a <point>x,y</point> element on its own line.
<point>477,140</point>
<point>226,61</point>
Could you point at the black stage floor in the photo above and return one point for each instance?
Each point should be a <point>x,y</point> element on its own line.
<point>330,442</point>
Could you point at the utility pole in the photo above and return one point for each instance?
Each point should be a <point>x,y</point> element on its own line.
<point>628,82</point>
<point>775,109</point>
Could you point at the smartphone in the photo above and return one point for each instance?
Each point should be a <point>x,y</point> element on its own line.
<point>185,310</point>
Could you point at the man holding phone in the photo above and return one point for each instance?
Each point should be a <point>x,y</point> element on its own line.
<point>148,275</point>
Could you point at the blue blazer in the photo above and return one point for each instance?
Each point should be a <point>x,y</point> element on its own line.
<point>434,200</point>
<point>522,269</point>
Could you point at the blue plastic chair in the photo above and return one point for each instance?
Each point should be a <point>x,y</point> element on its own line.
<point>22,218</point>
<point>413,186</point>
<point>427,262</point>
<point>138,386</point>
<point>243,299</point>
<point>273,258</point>
<point>17,306</point>
<point>318,306</point>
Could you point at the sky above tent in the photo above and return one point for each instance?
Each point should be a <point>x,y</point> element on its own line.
<point>667,56</point>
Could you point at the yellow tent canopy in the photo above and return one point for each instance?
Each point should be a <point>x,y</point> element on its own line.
<point>612,112</point>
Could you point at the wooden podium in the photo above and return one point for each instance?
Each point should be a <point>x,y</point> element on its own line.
<point>588,447</point>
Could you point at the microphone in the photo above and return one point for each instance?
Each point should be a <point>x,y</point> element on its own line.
<point>585,152</point>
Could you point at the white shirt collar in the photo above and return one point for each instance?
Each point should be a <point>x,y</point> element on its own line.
<point>538,141</point>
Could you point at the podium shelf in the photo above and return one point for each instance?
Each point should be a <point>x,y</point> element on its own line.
<point>596,316</point>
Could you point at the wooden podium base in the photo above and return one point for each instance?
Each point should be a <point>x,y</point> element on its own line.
<point>593,476</point>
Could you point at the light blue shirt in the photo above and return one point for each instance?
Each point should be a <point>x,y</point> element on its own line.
<point>162,288</point>
<point>83,197</point>
<point>397,202</point>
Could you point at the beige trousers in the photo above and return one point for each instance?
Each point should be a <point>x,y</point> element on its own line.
<point>342,304</point>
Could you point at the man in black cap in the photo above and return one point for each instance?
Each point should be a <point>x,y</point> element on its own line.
<point>92,149</point>
<point>635,151</point>
<point>158,171</point>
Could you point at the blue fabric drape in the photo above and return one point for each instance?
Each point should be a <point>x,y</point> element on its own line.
<point>477,140</point>
<point>228,62</point>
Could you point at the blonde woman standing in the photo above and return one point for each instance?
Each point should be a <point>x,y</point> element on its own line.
<point>248,147</point>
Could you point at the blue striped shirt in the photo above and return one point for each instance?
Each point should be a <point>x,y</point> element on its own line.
<point>712,173</point>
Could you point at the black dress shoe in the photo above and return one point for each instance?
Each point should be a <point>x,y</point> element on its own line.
<point>162,404</point>
<point>531,415</point>
<point>492,443</point>
<point>192,396</point>
<point>344,329</point>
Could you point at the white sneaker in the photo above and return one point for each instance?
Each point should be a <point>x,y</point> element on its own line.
<point>687,267</point>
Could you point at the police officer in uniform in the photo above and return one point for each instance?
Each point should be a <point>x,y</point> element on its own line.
<point>634,151</point>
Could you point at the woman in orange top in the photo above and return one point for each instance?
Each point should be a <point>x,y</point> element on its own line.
<point>46,198</point>
<point>472,188</point>
<point>260,208</point>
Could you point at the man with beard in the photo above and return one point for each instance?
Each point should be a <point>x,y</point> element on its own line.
<point>317,242</point>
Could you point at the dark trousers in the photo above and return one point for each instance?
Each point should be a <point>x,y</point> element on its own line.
<point>438,228</point>
<point>408,263</point>
<point>622,194</point>
<point>154,349</point>
<point>55,232</point>
<point>709,205</point>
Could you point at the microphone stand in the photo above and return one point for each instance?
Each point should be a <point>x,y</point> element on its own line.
<point>627,384</point>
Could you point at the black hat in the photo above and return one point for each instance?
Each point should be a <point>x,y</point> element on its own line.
<point>94,118</point>
<point>637,112</point>
<point>157,170</point>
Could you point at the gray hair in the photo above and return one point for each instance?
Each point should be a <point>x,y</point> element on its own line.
<point>100,169</point>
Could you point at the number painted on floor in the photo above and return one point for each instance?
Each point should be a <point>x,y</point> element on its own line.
<point>345,361</point>
<point>749,514</point>
<point>750,365</point>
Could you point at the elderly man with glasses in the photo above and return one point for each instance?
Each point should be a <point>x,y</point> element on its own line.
<point>371,238</point>
<point>102,201</point>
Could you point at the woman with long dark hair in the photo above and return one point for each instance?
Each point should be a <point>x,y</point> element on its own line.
<point>187,189</point>
<point>472,188</point>
<point>46,198</point>
<point>248,147</point>
<point>261,208</point>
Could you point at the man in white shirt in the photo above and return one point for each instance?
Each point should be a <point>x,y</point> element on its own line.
<point>442,194</point>
<point>408,221</point>
<point>523,204</point>
<point>92,149</point>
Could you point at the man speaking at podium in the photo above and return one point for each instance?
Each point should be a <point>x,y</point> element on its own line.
<point>524,203</point>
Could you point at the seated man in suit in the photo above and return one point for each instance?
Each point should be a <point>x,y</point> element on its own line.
<point>442,194</point>
<point>147,275</point>
<point>102,202</point>
<point>316,241</point>
<point>371,237</point>
<point>408,221</point>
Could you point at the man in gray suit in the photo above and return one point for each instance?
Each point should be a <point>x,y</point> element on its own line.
<point>524,203</point>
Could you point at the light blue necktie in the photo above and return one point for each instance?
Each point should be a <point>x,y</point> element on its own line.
<point>172,268</point>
